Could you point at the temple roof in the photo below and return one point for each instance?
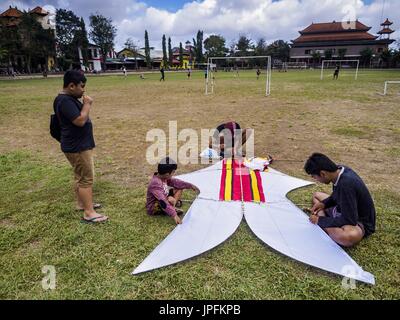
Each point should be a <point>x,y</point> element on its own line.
<point>334,27</point>
<point>386,31</point>
<point>40,11</point>
<point>339,36</point>
<point>387,23</point>
<point>11,13</point>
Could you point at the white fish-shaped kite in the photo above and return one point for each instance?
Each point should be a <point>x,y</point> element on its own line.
<point>229,191</point>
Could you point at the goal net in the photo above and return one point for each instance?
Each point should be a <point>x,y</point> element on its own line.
<point>343,67</point>
<point>257,67</point>
<point>294,65</point>
<point>387,83</point>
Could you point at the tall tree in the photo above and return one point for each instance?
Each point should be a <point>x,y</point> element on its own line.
<point>316,56</point>
<point>131,45</point>
<point>102,33</point>
<point>164,50</point>
<point>67,24</point>
<point>279,49</point>
<point>366,56</point>
<point>261,47</point>
<point>170,53</point>
<point>180,55</point>
<point>10,43</point>
<point>387,56</point>
<point>198,44</point>
<point>81,41</point>
<point>243,46</point>
<point>342,53</point>
<point>36,43</point>
<point>147,49</point>
<point>328,54</point>
<point>215,46</point>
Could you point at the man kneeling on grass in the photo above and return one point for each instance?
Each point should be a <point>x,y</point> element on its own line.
<point>164,192</point>
<point>348,214</point>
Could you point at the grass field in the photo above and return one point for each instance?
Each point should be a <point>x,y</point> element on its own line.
<point>346,119</point>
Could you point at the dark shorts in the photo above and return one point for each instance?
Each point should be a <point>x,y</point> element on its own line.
<point>333,213</point>
<point>158,207</point>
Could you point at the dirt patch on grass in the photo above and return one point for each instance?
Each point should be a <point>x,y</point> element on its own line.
<point>287,124</point>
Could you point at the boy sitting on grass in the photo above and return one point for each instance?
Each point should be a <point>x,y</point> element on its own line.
<point>348,214</point>
<point>164,192</point>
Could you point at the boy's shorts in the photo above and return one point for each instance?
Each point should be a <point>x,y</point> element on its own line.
<point>333,213</point>
<point>83,166</point>
<point>158,210</point>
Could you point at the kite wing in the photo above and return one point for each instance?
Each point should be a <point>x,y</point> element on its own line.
<point>285,228</point>
<point>207,223</point>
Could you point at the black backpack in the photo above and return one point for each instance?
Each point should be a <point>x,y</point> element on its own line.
<point>55,126</point>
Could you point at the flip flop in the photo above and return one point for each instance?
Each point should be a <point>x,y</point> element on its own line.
<point>93,220</point>
<point>95,206</point>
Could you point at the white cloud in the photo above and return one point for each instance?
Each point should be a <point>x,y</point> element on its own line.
<point>280,19</point>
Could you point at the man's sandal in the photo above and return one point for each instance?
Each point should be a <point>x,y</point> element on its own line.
<point>93,220</point>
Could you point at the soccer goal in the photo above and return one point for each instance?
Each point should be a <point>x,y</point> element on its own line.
<point>295,65</point>
<point>345,67</point>
<point>234,64</point>
<point>385,89</point>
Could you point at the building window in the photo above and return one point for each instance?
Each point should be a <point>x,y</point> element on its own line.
<point>380,50</point>
<point>308,52</point>
<point>95,53</point>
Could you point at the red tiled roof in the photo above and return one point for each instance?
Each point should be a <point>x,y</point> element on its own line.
<point>39,10</point>
<point>11,13</point>
<point>386,31</point>
<point>387,23</point>
<point>335,37</point>
<point>334,27</point>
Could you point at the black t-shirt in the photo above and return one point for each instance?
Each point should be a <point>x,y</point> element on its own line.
<point>353,201</point>
<point>73,138</point>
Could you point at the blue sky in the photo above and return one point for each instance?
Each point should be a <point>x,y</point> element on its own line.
<point>166,4</point>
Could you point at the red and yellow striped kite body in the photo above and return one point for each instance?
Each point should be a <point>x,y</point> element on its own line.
<point>240,183</point>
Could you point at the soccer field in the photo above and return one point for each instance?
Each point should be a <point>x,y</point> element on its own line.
<point>346,119</point>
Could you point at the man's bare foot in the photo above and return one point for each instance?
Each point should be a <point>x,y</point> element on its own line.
<point>95,206</point>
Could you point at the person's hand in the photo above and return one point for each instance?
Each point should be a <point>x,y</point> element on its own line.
<point>195,189</point>
<point>87,100</point>
<point>319,206</point>
<point>314,219</point>
<point>177,219</point>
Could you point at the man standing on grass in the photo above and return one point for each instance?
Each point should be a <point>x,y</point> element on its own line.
<point>162,74</point>
<point>336,73</point>
<point>348,214</point>
<point>77,140</point>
